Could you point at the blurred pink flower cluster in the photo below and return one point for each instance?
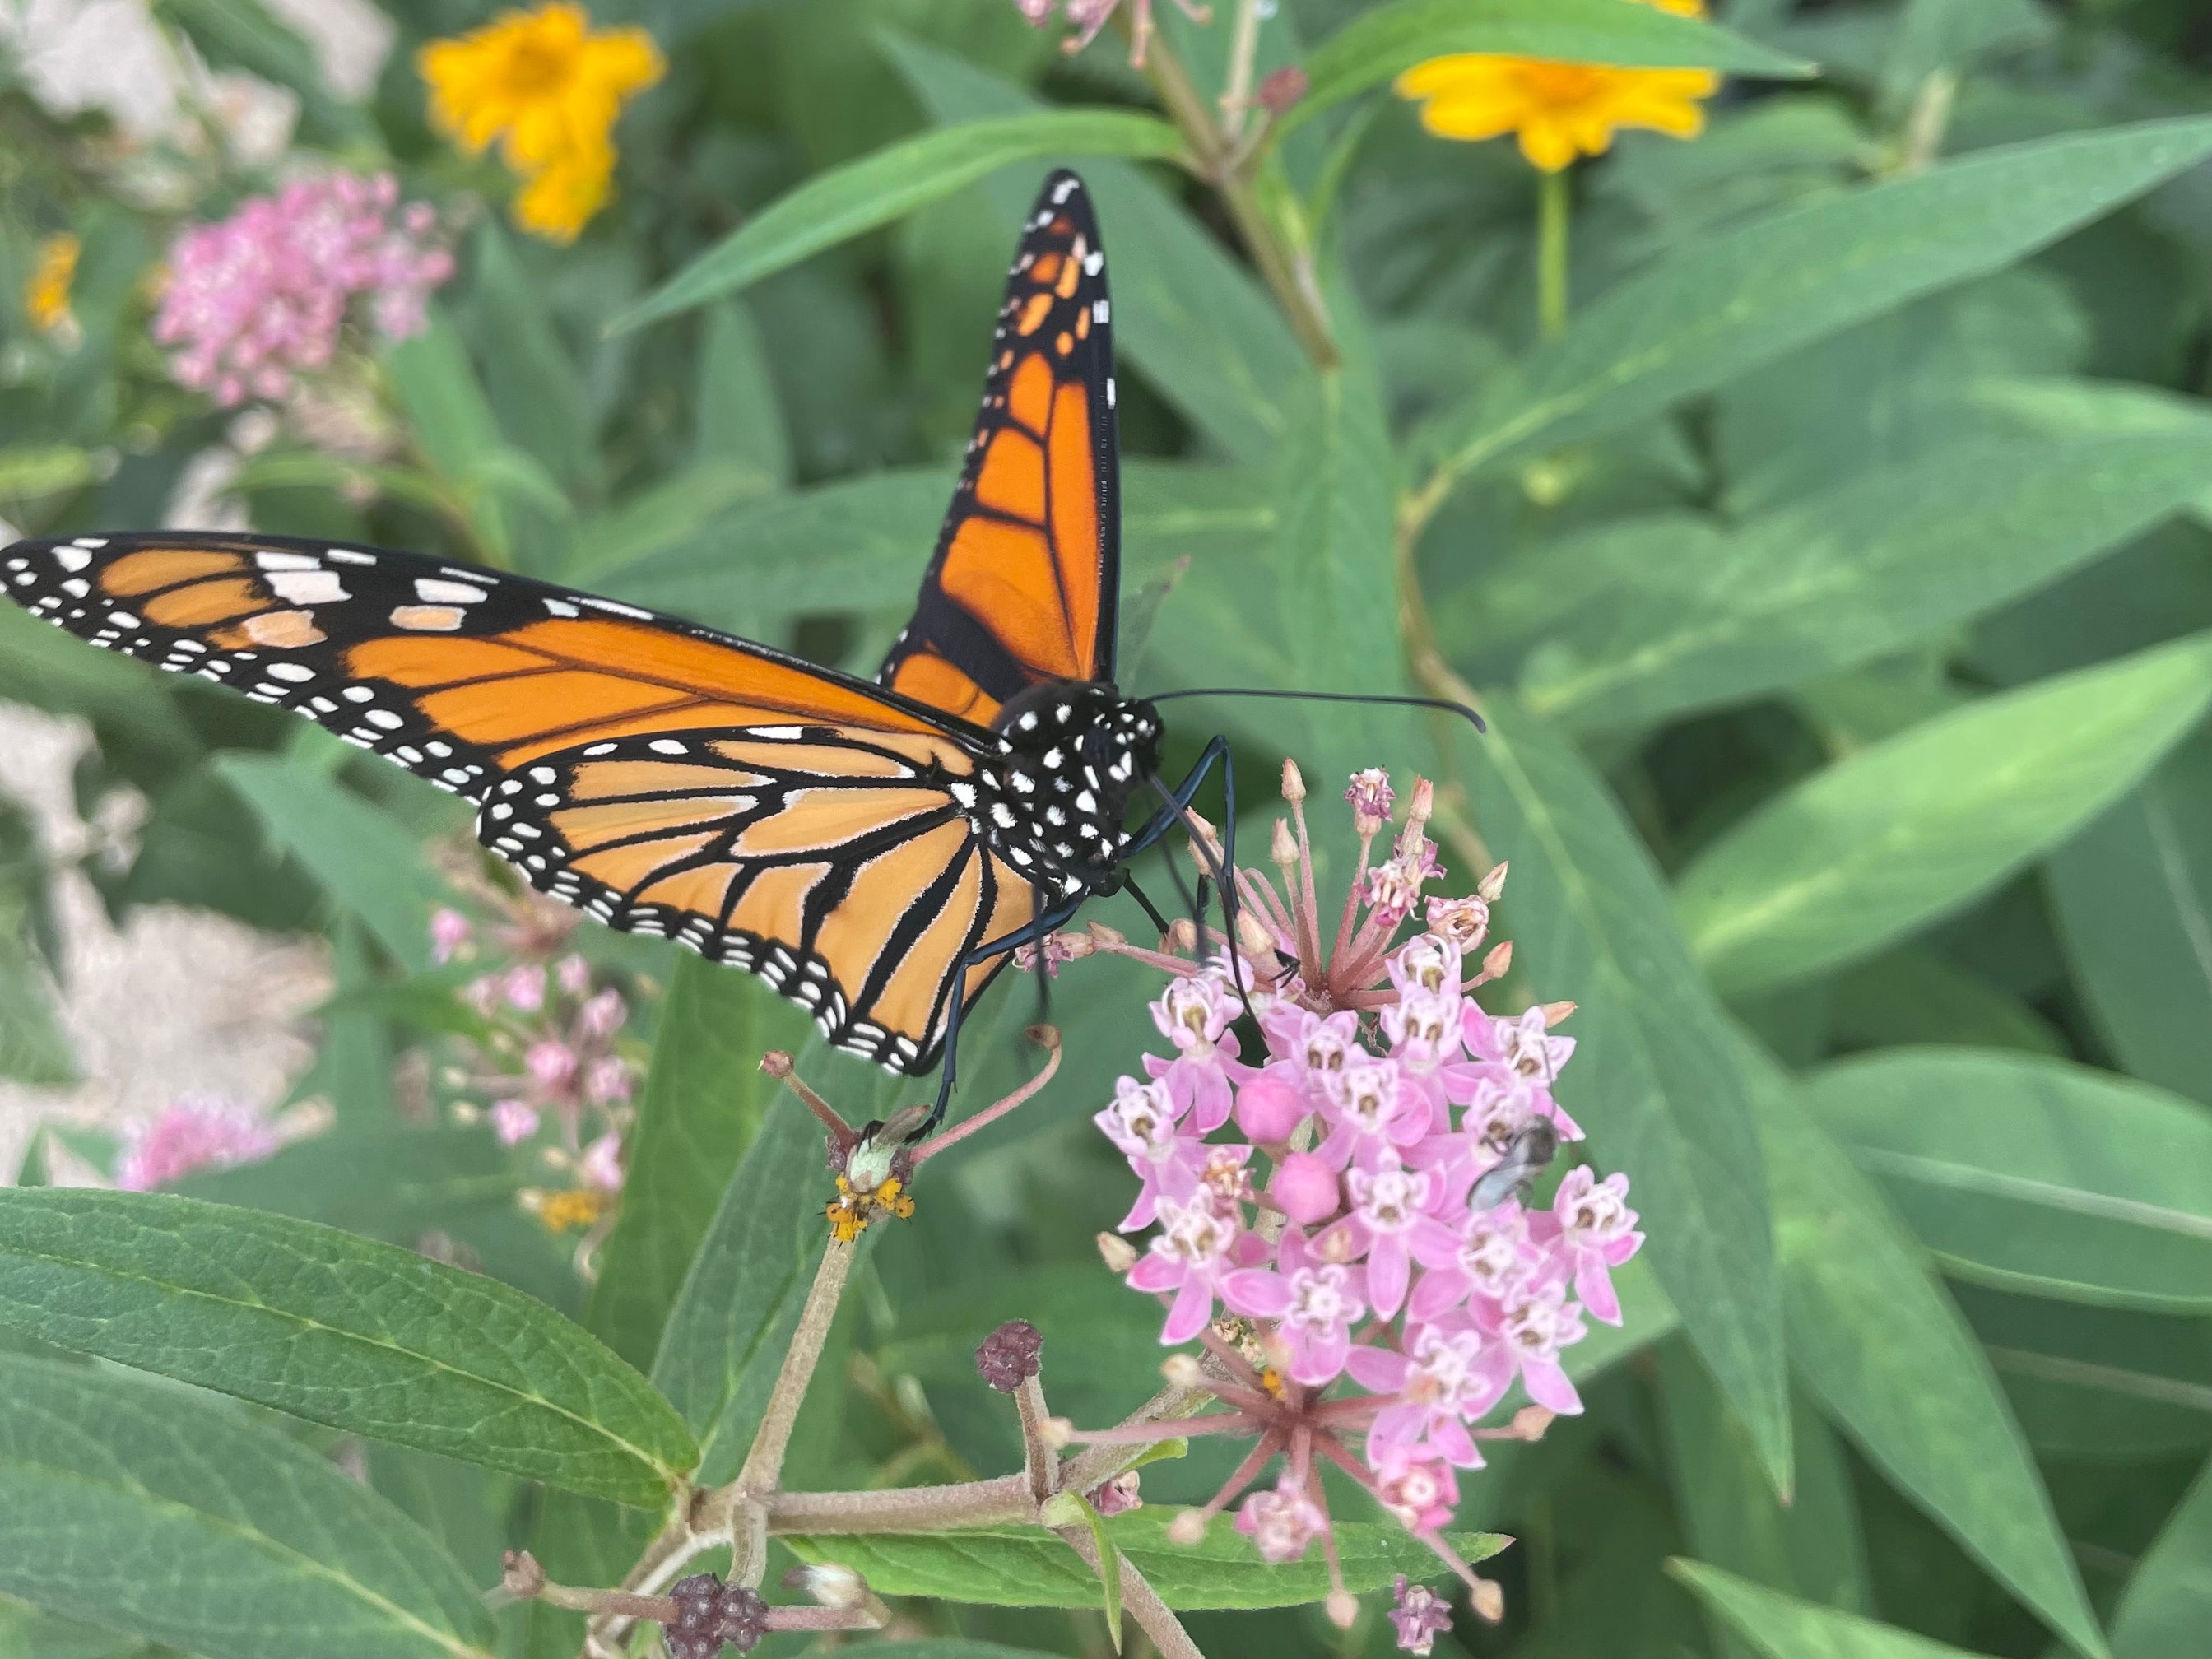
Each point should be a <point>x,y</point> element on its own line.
<point>194,1131</point>
<point>1343,1218</point>
<point>259,297</point>
<point>548,1058</point>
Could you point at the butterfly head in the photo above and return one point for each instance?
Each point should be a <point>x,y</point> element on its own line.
<point>1056,802</point>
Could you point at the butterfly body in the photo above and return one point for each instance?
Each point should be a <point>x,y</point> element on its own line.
<point>874,851</point>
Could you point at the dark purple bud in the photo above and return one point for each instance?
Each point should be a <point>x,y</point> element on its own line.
<point>1008,1357</point>
<point>745,1617</point>
<point>697,1632</point>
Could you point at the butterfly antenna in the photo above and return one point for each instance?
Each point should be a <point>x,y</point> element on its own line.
<point>1447,706</point>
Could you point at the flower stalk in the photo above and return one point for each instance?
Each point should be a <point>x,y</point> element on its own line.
<point>1554,215</point>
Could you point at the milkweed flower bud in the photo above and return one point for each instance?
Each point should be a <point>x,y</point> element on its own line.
<point>1009,1356</point>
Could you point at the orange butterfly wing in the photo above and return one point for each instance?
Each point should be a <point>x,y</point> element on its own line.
<point>1024,584</point>
<point>667,778</point>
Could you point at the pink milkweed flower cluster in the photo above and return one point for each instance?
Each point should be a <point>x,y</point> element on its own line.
<point>1343,1217</point>
<point>255,300</point>
<point>194,1131</point>
<point>547,1067</point>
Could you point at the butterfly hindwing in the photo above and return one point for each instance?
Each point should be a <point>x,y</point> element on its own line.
<point>1024,587</point>
<point>665,777</point>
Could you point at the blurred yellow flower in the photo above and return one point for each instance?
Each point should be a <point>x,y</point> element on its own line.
<point>46,295</point>
<point>1558,111</point>
<point>564,1212</point>
<point>548,88</point>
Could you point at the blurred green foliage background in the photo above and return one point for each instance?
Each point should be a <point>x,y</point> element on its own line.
<point>1838,583</point>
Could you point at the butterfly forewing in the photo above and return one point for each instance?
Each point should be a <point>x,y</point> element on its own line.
<point>1023,588</point>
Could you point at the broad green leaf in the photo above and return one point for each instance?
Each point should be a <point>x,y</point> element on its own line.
<point>736,418</point>
<point>1783,1627</point>
<point>27,1633</point>
<point>388,1183</point>
<point>1896,555</point>
<point>837,205</point>
<point>2098,1384</point>
<point>703,1103</point>
<point>1873,1334</point>
<point>370,864</point>
<point>863,543</point>
<point>1376,45</point>
<point>41,665</point>
<point>724,1337</point>
<point>1029,1567</point>
<point>2035,1175</point>
<point>662,515</point>
<point>1911,995</point>
<point>2168,1607</point>
<point>1196,322</point>
<point>450,419</point>
<point>1725,303</point>
<point>361,1336</point>
<point>2133,895</point>
<point>1886,841</point>
<point>1651,1078</point>
<point>532,386</point>
<point>30,471</point>
<point>34,1047</point>
<point>1810,1547</point>
<point>140,1508</point>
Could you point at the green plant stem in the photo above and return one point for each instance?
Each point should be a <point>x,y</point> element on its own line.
<point>1554,216</point>
<point>1139,1599</point>
<point>1287,271</point>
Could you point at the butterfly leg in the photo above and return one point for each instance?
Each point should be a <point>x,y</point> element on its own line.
<point>1223,870</point>
<point>1035,929</point>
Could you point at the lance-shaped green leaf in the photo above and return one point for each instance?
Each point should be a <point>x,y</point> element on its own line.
<point>1723,304</point>
<point>1896,555</point>
<point>2035,1175</point>
<point>2168,1607</point>
<point>703,1102</point>
<point>362,1336</point>
<point>2133,893</point>
<point>1886,841</point>
<point>362,853</point>
<point>1375,45</point>
<point>1651,1078</point>
<point>1029,1567</point>
<point>144,1510</point>
<point>1874,1334</point>
<point>842,202</point>
<point>1783,1627</point>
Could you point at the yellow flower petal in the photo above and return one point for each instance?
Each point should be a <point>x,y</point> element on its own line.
<point>46,295</point>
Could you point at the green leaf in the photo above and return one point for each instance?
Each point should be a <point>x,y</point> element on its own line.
<point>739,419</point>
<point>1109,1561</point>
<point>391,1183</point>
<point>33,1048</point>
<point>734,1312</point>
<point>155,1514</point>
<point>1911,995</point>
<point>2168,1604</point>
<point>834,207</point>
<point>370,863</point>
<point>1886,841</point>
<point>1651,1080</point>
<point>30,471</point>
<point>2035,1175</point>
<point>1029,1567</point>
<point>661,516</point>
<point>353,1066</point>
<point>862,544</point>
<point>1376,45</point>
<point>1198,323</point>
<point>1895,555</point>
<point>533,387</point>
<point>1783,1627</point>
<point>1873,1334</point>
<point>450,421</point>
<point>1726,303</point>
<point>361,1336</point>
<point>2133,897</point>
<point>247,34</point>
<point>704,1100</point>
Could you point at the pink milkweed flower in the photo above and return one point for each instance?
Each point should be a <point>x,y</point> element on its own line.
<point>1444,1379</point>
<point>607,1081</point>
<point>1195,1013</point>
<point>1195,1250</point>
<point>1491,1255</point>
<point>1519,1043</point>
<point>1528,1328</point>
<point>1283,1523</point>
<point>1142,1124</point>
<point>1312,1048</point>
<point>1269,1109</point>
<point>524,987</point>
<point>1464,921</point>
<point>449,931</point>
<point>1371,1115</point>
<point>1369,797</point>
<point>601,1164</point>
<point>1419,1615</point>
<point>1420,1492</point>
<point>574,975</point>
<point>194,1131</point>
<point>1389,1204</point>
<point>1590,1224</point>
<point>552,1065</point>
<point>602,1016</point>
<point>1313,1303</point>
<point>1428,962</point>
<point>513,1121</point>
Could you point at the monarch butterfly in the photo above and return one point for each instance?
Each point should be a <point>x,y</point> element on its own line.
<point>874,852</point>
